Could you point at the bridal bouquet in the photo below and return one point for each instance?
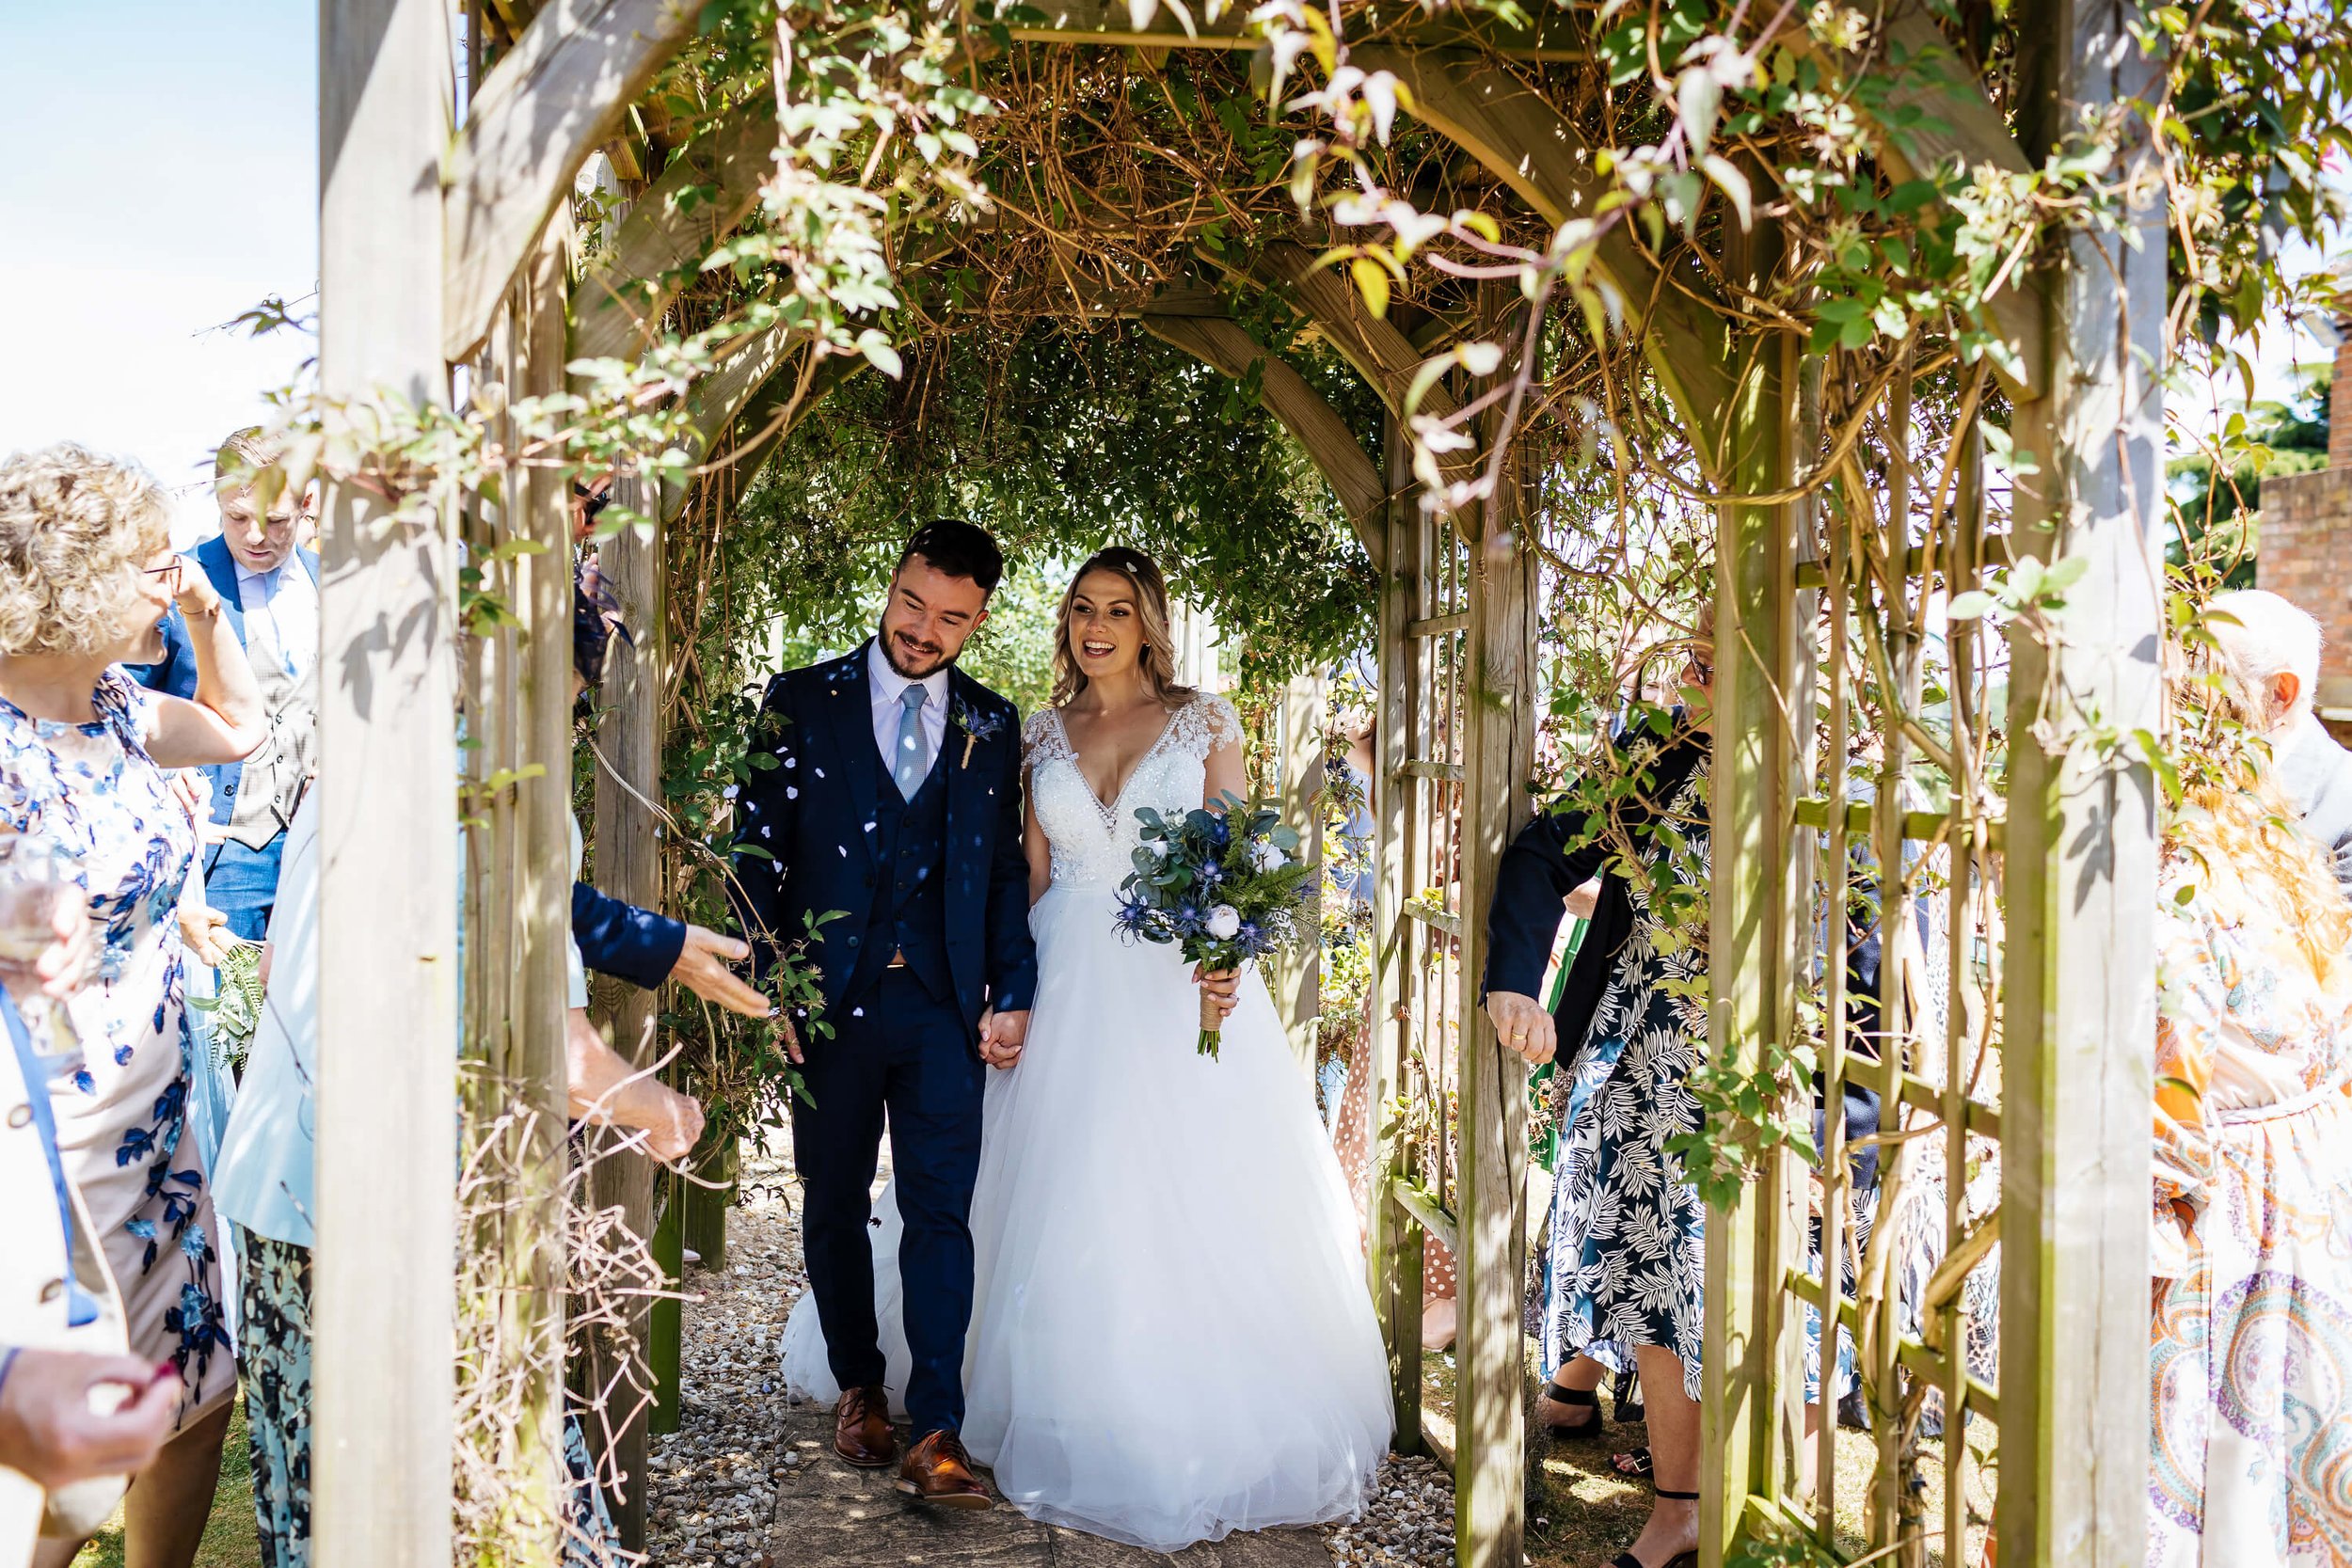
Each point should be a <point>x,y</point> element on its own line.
<point>1224,886</point>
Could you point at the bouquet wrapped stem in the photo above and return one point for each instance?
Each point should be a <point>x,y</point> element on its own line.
<point>1224,885</point>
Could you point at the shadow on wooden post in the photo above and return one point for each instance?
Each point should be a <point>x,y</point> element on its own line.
<point>384,1311</point>
<point>1394,1238</point>
<point>628,866</point>
<point>1499,758</point>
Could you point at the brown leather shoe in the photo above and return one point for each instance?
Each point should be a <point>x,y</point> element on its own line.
<point>861,1428</point>
<point>937,1470</point>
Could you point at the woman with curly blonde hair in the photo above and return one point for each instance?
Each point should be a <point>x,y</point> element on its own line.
<point>2250,1435</point>
<point>86,574</point>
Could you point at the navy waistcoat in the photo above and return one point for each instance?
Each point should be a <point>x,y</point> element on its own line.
<point>908,913</point>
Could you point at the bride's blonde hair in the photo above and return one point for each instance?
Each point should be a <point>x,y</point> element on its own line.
<point>1156,659</point>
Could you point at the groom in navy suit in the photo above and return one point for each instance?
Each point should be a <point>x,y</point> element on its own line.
<point>896,800</point>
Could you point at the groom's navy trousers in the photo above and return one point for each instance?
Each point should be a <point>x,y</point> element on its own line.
<point>897,1050</point>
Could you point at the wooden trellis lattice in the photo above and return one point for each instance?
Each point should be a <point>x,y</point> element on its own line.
<point>419,247</point>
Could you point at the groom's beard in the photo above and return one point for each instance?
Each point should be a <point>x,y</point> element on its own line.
<point>910,656</point>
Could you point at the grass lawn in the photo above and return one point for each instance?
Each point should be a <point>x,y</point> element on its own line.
<point>228,1535</point>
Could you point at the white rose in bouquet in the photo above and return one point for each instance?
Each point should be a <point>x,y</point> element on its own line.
<point>1267,856</point>
<point>1224,921</point>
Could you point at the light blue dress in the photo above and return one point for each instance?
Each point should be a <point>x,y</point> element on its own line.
<point>264,1181</point>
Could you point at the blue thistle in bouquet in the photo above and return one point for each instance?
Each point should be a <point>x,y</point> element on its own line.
<point>1225,887</point>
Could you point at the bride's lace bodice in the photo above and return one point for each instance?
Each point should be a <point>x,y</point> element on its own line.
<point>1094,844</point>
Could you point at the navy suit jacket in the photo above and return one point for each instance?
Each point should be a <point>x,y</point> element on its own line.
<point>804,844</point>
<point>175,673</point>
<point>615,938</point>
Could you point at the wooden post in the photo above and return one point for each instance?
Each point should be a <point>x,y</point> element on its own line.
<point>1751,1373</point>
<point>1299,976</point>
<point>1394,1239</point>
<point>386,1214</point>
<point>517,922</point>
<point>665,1325</point>
<point>628,866</point>
<point>2081,860</point>
<point>1499,758</point>
<point>703,1227</point>
<point>537,1069</point>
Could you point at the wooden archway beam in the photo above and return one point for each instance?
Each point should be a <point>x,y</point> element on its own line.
<point>742,399</point>
<point>545,106</point>
<point>1226,347</point>
<point>617,307</point>
<point>1533,149</point>
<point>1373,346</point>
<point>718,403</point>
<point>1548,35</point>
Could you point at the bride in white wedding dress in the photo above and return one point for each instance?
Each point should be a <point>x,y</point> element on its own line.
<point>1171,1336</point>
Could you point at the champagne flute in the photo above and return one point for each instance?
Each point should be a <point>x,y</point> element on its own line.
<point>36,888</point>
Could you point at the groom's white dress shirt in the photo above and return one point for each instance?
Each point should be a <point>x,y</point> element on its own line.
<point>883,684</point>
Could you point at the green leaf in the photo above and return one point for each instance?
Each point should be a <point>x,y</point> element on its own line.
<point>1969,606</point>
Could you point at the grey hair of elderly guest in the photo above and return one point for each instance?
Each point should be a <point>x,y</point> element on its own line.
<point>2270,651</point>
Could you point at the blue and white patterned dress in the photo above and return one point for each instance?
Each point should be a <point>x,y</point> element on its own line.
<point>1628,1239</point>
<point>92,790</point>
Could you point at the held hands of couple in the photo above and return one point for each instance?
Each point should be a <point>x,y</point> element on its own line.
<point>51,1425</point>
<point>1002,1036</point>
<point>1522,1024</point>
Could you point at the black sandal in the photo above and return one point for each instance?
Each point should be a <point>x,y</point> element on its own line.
<point>1681,1559</point>
<point>1576,1398</point>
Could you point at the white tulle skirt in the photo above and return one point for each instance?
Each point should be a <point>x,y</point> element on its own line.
<point>1171,1338</point>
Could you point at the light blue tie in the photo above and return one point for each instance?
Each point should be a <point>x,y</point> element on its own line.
<point>907,766</point>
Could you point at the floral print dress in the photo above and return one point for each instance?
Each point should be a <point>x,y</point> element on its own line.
<point>1629,1237</point>
<point>2250,1439</point>
<point>122,1111</point>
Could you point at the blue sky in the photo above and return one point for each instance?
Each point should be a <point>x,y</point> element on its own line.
<point>165,178</point>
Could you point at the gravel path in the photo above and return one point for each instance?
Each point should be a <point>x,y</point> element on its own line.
<point>718,1478</point>
<point>1410,1522</point>
<point>715,1477</point>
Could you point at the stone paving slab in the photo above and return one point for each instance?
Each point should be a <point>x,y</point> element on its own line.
<point>829,1515</point>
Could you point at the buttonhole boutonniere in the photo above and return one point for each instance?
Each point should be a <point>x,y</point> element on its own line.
<point>977,726</point>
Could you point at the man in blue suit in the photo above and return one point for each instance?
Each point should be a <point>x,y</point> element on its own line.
<point>894,801</point>
<point>270,589</point>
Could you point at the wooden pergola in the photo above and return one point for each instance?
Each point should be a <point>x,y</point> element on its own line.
<point>442,245</point>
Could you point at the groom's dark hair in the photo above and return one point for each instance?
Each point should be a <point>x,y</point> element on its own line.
<point>959,548</point>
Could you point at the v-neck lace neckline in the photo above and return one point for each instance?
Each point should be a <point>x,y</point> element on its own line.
<point>1110,810</point>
